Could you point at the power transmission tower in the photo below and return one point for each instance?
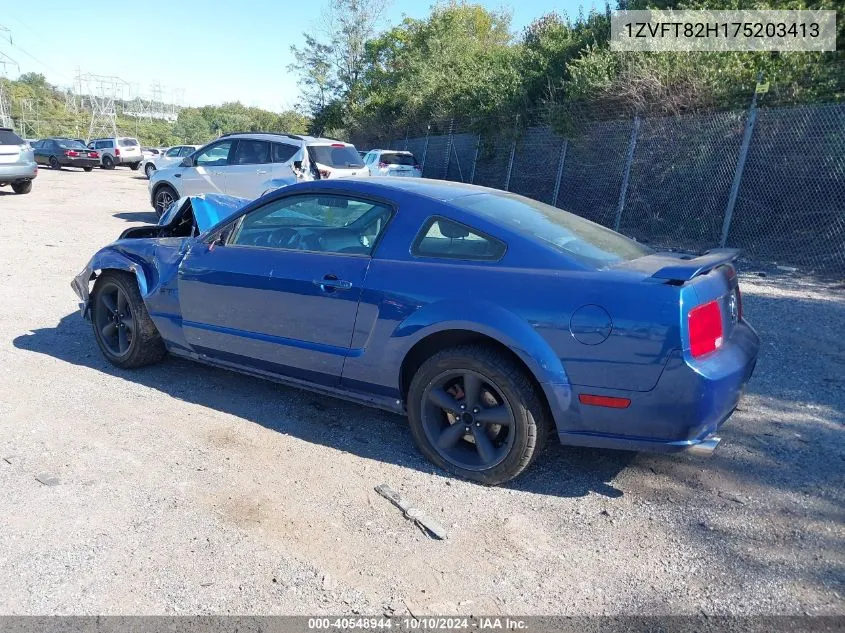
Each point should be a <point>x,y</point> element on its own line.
<point>29,127</point>
<point>103,92</point>
<point>5,60</point>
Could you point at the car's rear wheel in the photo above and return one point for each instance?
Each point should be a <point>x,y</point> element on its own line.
<point>149,168</point>
<point>124,331</point>
<point>475,413</point>
<point>108,162</point>
<point>22,187</point>
<point>134,166</point>
<point>88,168</point>
<point>164,196</point>
<point>54,163</point>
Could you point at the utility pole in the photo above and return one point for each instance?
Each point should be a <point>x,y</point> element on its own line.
<point>103,93</point>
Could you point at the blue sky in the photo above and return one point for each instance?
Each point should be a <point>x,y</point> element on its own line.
<point>214,51</point>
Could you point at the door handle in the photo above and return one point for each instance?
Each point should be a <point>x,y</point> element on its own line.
<point>330,283</point>
<point>261,171</point>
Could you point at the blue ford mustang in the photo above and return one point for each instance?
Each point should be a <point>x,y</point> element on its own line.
<point>488,318</point>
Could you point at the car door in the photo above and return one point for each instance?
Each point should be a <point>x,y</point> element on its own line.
<point>281,293</point>
<point>249,169</point>
<point>38,152</point>
<point>208,173</point>
<point>170,158</point>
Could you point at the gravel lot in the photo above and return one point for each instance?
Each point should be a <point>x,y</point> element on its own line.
<point>184,489</point>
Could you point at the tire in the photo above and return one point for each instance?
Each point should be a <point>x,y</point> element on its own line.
<point>88,168</point>
<point>54,163</point>
<point>506,394</point>
<point>22,187</point>
<point>134,166</point>
<point>149,168</point>
<point>164,195</point>
<point>108,162</point>
<point>137,345</point>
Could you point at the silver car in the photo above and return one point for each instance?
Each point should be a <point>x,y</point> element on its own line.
<point>386,162</point>
<point>17,162</point>
<point>169,158</point>
<point>246,165</point>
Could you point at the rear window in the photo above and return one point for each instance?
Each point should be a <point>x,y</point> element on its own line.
<point>335,156</point>
<point>398,159</point>
<point>127,142</point>
<point>7,137</point>
<point>70,144</point>
<point>586,242</point>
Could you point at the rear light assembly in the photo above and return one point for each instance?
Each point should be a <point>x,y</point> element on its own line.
<point>116,151</point>
<point>325,173</point>
<point>383,165</point>
<point>93,155</point>
<point>706,330</point>
<point>604,401</point>
<point>71,153</point>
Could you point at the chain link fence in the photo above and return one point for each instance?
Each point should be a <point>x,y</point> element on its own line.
<point>767,179</point>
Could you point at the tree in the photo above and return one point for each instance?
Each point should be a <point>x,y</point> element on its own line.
<point>317,78</point>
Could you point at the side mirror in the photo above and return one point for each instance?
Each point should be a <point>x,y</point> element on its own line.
<point>187,162</point>
<point>219,239</point>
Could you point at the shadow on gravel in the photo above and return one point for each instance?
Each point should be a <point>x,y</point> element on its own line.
<point>146,217</point>
<point>365,432</point>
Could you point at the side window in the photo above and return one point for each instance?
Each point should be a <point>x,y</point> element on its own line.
<point>317,223</point>
<point>186,151</point>
<point>215,156</point>
<point>445,238</point>
<point>38,145</point>
<point>251,152</point>
<point>173,152</point>
<point>282,152</point>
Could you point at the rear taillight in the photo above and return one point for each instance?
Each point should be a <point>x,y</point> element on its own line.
<point>383,165</point>
<point>325,173</point>
<point>71,152</point>
<point>116,151</point>
<point>604,401</point>
<point>93,155</point>
<point>705,329</point>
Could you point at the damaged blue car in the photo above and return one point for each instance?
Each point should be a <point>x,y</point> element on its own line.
<point>493,321</point>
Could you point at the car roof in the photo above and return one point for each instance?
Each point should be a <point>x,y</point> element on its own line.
<point>276,136</point>
<point>439,190</point>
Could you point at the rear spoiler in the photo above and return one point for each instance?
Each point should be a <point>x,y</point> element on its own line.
<point>687,269</point>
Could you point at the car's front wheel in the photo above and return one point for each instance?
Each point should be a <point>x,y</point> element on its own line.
<point>124,331</point>
<point>475,413</point>
<point>164,196</point>
<point>88,168</point>
<point>22,187</point>
<point>149,168</point>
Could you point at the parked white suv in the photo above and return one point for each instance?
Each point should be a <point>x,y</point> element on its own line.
<point>388,162</point>
<point>170,158</point>
<point>246,165</point>
<point>121,150</point>
<point>17,162</point>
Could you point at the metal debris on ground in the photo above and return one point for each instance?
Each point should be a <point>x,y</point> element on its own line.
<point>47,479</point>
<point>424,522</point>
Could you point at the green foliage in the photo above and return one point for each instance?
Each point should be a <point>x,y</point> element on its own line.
<point>49,116</point>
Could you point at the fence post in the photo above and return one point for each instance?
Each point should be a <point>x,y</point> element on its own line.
<point>474,159</point>
<point>740,165</point>
<point>425,147</point>
<point>626,174</point>
<point>448,151</point>
<point>510,160</point>
<point>560,171</point>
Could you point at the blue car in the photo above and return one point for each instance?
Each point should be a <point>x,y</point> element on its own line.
<point>489,319</point>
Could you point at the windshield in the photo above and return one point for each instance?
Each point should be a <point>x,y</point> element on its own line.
<point>7,137</point>
<point>65,144</point>
<point>127,142</point>
<point>338,156</point>
<point>586,242</point>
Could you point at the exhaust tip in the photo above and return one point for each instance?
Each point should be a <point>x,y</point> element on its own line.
<point>706,446</point>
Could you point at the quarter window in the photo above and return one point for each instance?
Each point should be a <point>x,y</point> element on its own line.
<point>282,152</point>
<point>173,152</point>
<point>443,238</point>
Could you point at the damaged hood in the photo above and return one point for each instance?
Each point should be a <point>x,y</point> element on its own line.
<point>209,209</point>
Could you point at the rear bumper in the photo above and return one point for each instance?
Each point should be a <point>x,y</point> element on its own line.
<point>127,160</point>
<point>80,162</point>
<point>685,409</point>
<point>18,172</point>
